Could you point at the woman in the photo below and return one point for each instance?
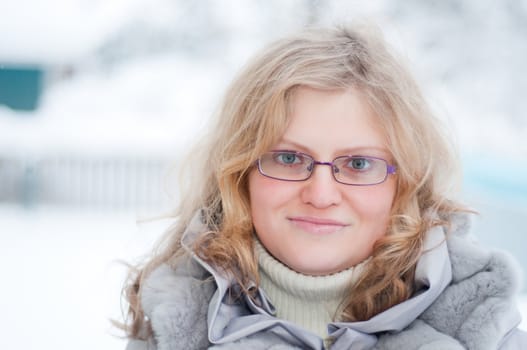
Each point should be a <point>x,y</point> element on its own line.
<point>322,219</point>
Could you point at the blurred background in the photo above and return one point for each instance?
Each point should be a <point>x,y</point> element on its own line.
<point>100,99</point>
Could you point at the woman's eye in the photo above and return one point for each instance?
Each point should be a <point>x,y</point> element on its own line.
<point>359,163</point>
<point>288,158</point>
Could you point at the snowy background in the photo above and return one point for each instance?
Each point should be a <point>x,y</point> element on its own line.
<point>130,83</point>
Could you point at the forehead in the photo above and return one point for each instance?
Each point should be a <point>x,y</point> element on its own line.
<point>333,121</point>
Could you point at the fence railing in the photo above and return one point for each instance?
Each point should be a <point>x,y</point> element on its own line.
<point>115,183</point>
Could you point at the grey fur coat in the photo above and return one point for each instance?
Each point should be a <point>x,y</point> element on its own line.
<point>465,301</point>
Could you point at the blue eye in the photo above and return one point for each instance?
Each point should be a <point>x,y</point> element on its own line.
<point>288,158</point>
<point>359,163</point>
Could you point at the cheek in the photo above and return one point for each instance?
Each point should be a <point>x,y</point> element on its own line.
<point>266,193</point>
<point>377,204</point>
<point>261,199</point>
<point>269,203</point>
<point>374,206</point>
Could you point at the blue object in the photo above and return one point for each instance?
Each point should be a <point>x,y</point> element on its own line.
<point>20,87</point>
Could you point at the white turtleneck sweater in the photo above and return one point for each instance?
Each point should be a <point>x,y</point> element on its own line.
<point>309,301</point>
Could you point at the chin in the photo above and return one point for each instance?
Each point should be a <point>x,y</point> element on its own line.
<point>318,270</point>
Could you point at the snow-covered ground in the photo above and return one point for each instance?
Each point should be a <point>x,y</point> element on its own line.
<point>62,273</point>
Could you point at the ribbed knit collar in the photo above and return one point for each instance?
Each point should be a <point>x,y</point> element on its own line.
<point>310,301</point>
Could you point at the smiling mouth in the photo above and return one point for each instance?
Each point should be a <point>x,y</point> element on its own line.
<point>316,225</point>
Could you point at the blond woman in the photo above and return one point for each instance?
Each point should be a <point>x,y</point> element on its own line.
<point>319,217</point>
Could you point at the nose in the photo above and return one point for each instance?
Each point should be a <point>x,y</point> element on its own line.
<point>321,190</point>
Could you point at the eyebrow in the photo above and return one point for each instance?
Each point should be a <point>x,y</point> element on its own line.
<point>359,150</point>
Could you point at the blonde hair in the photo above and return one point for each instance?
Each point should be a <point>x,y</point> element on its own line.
<point>254,116</point>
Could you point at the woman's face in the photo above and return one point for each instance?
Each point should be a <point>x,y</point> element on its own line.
<point>320,226</point>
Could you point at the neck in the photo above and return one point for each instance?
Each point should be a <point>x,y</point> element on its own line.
<point>308,301</point>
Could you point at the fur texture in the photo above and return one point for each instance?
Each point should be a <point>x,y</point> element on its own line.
<point>177,303</point>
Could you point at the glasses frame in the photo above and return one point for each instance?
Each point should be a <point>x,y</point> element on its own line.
<point>390,168</point>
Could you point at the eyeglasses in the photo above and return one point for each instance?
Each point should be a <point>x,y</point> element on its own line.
<point>348,170</point>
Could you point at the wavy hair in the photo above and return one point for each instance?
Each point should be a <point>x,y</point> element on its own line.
<point>254,116</point>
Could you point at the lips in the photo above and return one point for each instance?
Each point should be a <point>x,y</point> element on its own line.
<point>315,225</point>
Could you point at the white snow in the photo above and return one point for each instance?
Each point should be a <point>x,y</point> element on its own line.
<point>145,106</point>
<point>62,275</point>
<point>157,101</point>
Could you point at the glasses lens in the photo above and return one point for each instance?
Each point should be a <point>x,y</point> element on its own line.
<point>359,170</point>
<point>286,165</point>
